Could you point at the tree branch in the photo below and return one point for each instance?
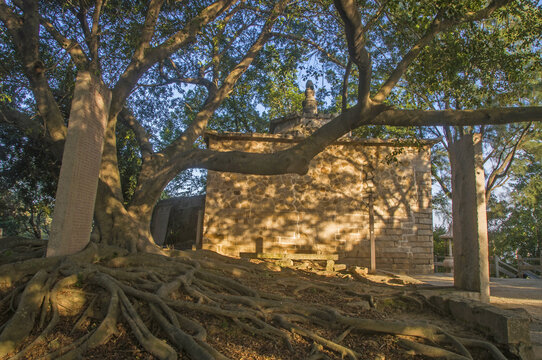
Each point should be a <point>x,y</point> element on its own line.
<point>312,43</point>
<point>199,124</point>
<point>24,32</point>
<point>94,36</point>
<point>503,169</point>
<point>148,29</point>
<point>293,160</point>
<point>355,36</point>
<point>21,121</point>
<point>344,91</point>
<point>297,158</point>
<point>394,117</point>
<point>376,16</point>
<point>71,46</point>
<point>31,128</point>
<point>438,25</point>
<point>142,136</point>
<point>211,86</point>
<point>144,59</point>
<point>195,81</point>
<point>441,182</point>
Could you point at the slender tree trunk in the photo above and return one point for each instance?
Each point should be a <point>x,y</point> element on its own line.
<point>471,267</point>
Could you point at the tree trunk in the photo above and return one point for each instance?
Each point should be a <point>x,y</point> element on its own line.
<point>117,223</point>
<point>471,266</point>
<point>78,179</point>
<point>122,227</point>
<point>128,226</point>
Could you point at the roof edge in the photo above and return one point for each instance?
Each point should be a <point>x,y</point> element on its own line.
<point>287,138</point>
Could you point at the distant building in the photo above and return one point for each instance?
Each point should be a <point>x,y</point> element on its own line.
<point>351,193</point>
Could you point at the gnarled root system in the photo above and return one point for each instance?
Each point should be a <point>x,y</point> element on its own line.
<point>170,303</point>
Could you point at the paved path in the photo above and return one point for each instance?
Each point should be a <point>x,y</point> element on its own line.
<point>508,294</point>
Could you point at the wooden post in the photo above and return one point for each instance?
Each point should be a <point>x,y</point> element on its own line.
<point>372,233</point>
<point>497,272</point>
<point>520,267</point>
<point>199,229</point>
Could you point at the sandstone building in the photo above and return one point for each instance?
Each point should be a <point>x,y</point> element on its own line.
<point>354,194</point>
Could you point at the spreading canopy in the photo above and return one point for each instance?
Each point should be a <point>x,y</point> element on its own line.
<point>177,68</point>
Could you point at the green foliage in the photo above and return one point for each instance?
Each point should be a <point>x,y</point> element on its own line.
<point>440,246</point>
<point>28,178</point>
<point>282,95</point>
<point>488,63</point>
<point>483,64</point>
<point>386,132</point>
<point>129,160</point>
<point>516,221</point>
<point>187,183</point>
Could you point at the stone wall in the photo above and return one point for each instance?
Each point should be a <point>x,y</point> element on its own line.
<point>326,210</point>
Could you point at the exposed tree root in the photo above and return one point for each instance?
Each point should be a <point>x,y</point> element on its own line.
<point>431,351</point>
<point>22,322</point>
<point>492,349</point>
<point>16,248</point>
<point>162,300</point>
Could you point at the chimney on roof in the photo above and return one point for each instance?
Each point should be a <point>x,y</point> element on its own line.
<point>309,104</point>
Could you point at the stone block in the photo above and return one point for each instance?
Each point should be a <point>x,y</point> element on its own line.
<point>425,250</point>
<point>393,231</point>
<point>383,238</point>
<point>385,244</point>
<point>428,221</point>
<point>509,327</point>
<point>424,243</point>
<point>409,238</point>
<point>286,262</point>
<point>393,250</point>
<point>384,260</point>
<point>422,269</point>
<point>420,261</point>
<point>506,326</point>
<point>339,267</point>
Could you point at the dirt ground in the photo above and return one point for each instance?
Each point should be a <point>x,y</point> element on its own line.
<point>351,291</point>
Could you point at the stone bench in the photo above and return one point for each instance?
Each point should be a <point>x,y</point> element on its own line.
<point>329,258</point>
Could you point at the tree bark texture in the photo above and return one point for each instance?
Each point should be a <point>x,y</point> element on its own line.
<point>78,180</point>
<point>471,264</point>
